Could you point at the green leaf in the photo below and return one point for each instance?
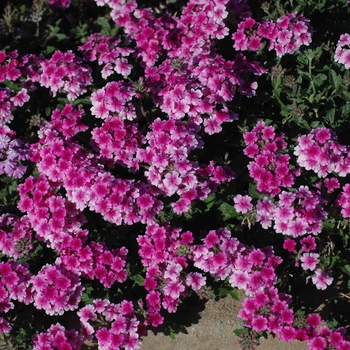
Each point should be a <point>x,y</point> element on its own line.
<point>106,28</point>
<point>346,95</point>
<point>335,79</point>
<point>301,59</point>
<point>86,299</point>
<point>241,331</point>
<point>84,100</point>
<point>345,110</point>
<point>252,191</point>
<point>172,332</point>
<point>346,269</point>
<point>321,76</point>
<point>227,211</point>
<point>49,49</point>
<point>137,279</point>
<point>12,86</point>
<point>210,201</point>
<point>329,117</point>
<point>234,293</point>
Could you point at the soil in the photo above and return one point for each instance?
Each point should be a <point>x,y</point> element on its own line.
<point>208,326</point>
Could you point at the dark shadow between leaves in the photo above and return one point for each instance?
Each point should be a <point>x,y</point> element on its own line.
<point>187,314</point>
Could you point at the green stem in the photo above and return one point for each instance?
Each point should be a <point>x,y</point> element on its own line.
<point>310,76</point>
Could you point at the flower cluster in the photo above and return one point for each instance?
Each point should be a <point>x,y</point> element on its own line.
<point>122,330</point>
<point>94,261</point>
<point>9,66</point>
<point>269,311</point>
<point>68,121</point>
<point>321,152</point>
<point>107,53</point>
<point>344,201</point>
<point>56,290</point>
<point>15,235</point>
<point>169,145</point>
<point>13,68</point>
<point>270,167</point>
<point>87,184</point>
<point>57,337</point>
<point>159,249</point>
<point>114,100</point>
<point>65,72</point>
<point>342,51</point>
<point>12,152</point>
<point>285,36</point>
<point>223,256</point>
<point>9,102</point>
<point>53,217</point>
<point>295,214</point>
<point>117,142</point>
<point>15,284</point>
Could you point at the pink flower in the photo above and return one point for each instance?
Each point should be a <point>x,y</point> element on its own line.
<point>317,343</point>
<point>259,323</point>
<point>243,203</point>
<point>195,280</point>
<point>5,326</point>
<point>172,271</point>
<point>287,333</point>
<point>309,261</point>
<point>173,289</point>
<point>321,280</point>
<point>308,243</point>
<point>60,3</point>
<point>289,244</point>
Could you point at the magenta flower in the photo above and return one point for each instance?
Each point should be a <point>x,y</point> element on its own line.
<point>243,203</point>
<point>317,343</point>
<point>259,324</point>
<point>195,280</point>
<point>65,71</point>
<point>60,3</point>
<point>321,280</point>
<point>5,326</point>
<point>56,290</point>
<point>309,261</point>
<point>57,337</point>
<point>289,244</point>
<point>308,243</point>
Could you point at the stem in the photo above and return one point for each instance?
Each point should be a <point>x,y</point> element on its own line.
<point>310,76</point>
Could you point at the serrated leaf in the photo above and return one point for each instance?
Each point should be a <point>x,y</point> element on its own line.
<point>234,293</point>
<point>253,192</point>
<point>138,279</point>
<point>86,299</point>
<point>83,100</point>
<point>335,79</point>
<point>346,95</point>
<point>301,59</point>
<point>49,49</point>
<point>227,211</point>
<point>106,28</point>
<point>241,331</point>
<point>12,86</point>
<point>346,269</point>
<point>330,116</point>
<point>345,110</point>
